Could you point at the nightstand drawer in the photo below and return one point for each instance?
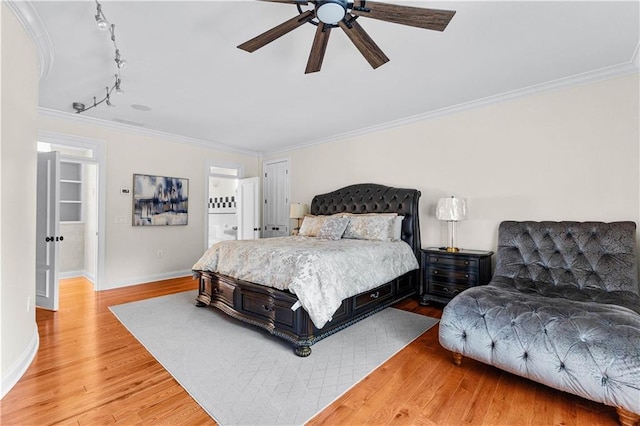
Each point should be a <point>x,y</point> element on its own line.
<point>446,290</point>
<point>453,276</point>
<point>454,262</point>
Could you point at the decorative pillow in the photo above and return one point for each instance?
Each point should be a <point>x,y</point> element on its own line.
<point>333,228</point>
<point>397,228</point>
<point>371,227</point>
<point>311,225</point>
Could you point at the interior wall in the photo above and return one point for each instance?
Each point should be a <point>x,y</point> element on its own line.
<point>132,252</point>
<point>90,215</point>
<point>572,154</point>
<point>18,156</point>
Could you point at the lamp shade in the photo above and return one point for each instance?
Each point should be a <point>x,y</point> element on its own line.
<point>451,209</point>
<point>298,210</point>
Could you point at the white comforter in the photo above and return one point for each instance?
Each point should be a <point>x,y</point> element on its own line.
<point>321,273</point>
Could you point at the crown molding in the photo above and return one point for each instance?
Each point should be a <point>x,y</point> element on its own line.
<point>83,119</point>
<point>32,24</point>
<point>606,73</point>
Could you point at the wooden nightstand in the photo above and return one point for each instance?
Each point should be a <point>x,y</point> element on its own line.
<point>445,274</point>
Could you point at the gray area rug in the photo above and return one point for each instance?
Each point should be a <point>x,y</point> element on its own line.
<point>242,375</point>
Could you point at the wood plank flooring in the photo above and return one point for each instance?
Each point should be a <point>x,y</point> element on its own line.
<point>90,370</point>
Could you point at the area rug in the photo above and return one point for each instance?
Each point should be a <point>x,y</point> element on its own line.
<point>242,375</point>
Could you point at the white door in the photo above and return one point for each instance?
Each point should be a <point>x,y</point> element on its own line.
<point>276,199</point>
<point>47,230</point>
<point>248,208</point>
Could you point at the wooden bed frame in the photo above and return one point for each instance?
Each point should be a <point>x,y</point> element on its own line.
<point>270,308</point>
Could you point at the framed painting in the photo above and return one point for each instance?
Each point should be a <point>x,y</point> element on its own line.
<point>160,200</point>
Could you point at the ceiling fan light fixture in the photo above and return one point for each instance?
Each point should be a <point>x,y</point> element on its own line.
<point>331,11</point>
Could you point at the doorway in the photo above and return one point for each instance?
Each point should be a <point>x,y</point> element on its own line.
<point>232,204</point>
<point>79,187</point>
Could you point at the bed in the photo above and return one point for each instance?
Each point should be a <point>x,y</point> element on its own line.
<point>281,312</point>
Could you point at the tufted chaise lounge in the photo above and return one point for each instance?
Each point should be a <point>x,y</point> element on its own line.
<point>562,309</point>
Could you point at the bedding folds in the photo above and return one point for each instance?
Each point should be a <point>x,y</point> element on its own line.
<point>320,272</point>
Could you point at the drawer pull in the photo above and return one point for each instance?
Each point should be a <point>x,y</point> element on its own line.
<point>466,275</point>
<point>375,295</point>
<point>435,272</point>
<point>216,290</point>
<point>267,308</point>
<point>455,291</point>
<point>466,262</point>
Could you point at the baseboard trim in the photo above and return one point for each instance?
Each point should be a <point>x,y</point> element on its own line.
<point>70,274</point>
<point>147,279</point>
<point>17,370</point>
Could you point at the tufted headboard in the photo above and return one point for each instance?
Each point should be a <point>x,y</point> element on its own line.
<point>581,254</point>
<point>373,198</point>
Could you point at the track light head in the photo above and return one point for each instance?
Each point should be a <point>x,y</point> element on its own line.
<point>101,21</point>
<point>104,24</point>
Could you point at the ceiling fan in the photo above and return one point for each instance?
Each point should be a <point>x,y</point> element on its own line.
<point>328,14</point>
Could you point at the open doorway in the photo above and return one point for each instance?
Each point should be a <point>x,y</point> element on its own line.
<point>233,206</point>
<point>222,209</point>
<point>79,223</point>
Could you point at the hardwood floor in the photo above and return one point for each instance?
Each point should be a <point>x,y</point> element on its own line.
<point>90,370</point>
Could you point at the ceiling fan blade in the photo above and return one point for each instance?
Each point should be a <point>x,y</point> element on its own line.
<point>430,19</point>
<point>365,44</point>
<point>276,32</point>
<point>318,48</point>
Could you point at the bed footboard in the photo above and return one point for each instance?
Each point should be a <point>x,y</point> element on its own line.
<point>270,309</point>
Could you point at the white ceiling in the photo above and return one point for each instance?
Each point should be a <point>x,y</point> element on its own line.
<point>183,63</point>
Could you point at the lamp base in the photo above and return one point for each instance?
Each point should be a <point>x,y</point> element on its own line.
<point>452,249</point>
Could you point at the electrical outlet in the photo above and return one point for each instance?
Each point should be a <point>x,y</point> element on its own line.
<point>121,219</point>
<point>160,254</point>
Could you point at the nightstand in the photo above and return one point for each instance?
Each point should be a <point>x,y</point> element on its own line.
<point>445,274</point>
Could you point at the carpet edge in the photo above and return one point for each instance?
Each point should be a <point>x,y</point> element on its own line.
<point>160,362</point>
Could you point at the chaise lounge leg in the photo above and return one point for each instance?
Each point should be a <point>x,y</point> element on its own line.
<point>457,359</point>
<point>627,418</point>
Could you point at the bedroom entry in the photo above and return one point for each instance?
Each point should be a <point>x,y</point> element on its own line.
<point>68,220</point>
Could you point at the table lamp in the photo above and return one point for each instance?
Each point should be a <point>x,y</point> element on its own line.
<point>452,210</point>
<point>297,211</point>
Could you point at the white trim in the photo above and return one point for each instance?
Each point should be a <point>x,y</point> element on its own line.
<point>89,277</point>
<point>99,158</point>
<point>33,26</point>
<point>71,274</point>
<point>15,372</point>
<point>547,87</point>
<point>85,119</point>
<point>148,279</point>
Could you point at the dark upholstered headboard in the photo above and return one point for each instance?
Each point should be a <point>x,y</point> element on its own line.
<point>373,198</point>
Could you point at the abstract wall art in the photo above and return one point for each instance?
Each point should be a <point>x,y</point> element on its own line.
<point>160,200</point>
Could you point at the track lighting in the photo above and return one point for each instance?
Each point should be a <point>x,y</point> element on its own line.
<point>103,24</point>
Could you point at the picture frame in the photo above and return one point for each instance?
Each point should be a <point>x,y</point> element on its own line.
<point>160,200</point>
